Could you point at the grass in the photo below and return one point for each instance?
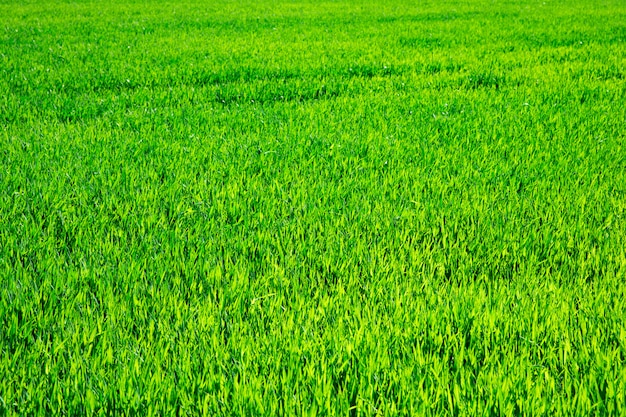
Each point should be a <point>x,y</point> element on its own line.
<point>313,208</point>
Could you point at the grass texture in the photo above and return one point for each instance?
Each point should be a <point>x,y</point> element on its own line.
<point>363,208</point>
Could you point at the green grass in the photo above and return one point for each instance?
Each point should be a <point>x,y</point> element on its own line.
<point>313,208</point>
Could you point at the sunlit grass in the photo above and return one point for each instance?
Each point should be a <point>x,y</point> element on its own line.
<point>302,208</point>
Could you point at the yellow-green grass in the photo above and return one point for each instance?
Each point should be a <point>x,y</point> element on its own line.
<point>313,208</point>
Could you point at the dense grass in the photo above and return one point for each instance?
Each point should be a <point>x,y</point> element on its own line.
<point>301,208</point>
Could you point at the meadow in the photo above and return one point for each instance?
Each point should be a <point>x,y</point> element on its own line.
<point>358,208</point>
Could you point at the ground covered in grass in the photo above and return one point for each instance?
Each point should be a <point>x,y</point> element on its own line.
<point>313,208</point>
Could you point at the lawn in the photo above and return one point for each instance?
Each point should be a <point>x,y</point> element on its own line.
<point>363,208</point>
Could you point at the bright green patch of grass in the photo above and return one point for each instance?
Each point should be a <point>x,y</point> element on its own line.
<point>335,208</point>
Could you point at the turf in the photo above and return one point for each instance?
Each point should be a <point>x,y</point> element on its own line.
<point>313,208</point>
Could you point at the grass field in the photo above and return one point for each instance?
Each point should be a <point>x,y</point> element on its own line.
<point>258,208</point>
